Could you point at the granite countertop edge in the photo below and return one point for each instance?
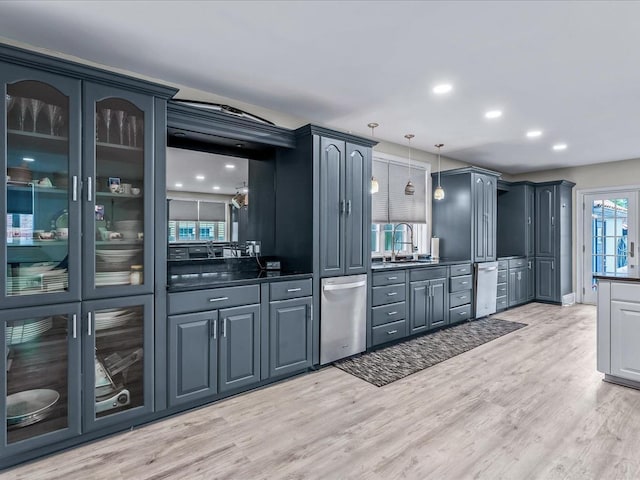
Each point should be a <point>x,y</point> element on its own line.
<point>205,285</point>
<point>417,264</point>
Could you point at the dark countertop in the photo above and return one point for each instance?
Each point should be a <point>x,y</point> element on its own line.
<point>620,277</point>
<point>511,257</point>
<point>201,281</point>
<point>415,264</point>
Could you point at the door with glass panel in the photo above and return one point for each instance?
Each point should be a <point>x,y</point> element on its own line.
<point>40,149</point>
<point>610,237</point>
<point>41,381</point>
<point>117,359</point>
<point>118,194</point>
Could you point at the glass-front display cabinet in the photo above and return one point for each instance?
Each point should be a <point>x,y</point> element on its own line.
<point>41,387</point>
<point>40,204</point>
<point>118,359</point>
<point>119,194</point>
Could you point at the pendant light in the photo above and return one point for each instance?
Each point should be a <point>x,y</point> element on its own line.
<point>438,193</point>
<point>375,186</point>
<point>409,189</point>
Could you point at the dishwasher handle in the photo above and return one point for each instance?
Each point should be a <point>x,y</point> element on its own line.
<point>344,286</point>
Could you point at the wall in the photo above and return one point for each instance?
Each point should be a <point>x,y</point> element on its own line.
<point>600,175</point>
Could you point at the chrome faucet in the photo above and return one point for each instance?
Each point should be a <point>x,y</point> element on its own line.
<point>394,243</point>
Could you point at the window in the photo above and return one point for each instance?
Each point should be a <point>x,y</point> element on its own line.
<point>193,220</point>
<point>382,239</point>
<point>185,231</point>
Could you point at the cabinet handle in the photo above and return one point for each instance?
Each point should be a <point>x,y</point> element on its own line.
<point>462,269</point>
<point>218,299</point>
<point>553,220</point>
<point>464,283</point>
<point>529,266</point>
<point>392,313</point>
<point>348,207</point>
<point>89,323</point>
<point>224,328</point>
<point>392,278</point>
<point>553,265</point>
<point>214,326</point>
<point>391,332</point>
<point>462,313</point>
<point>631,249</point>
<point>391,294</point>
<point>529,220</point>
<point>74,189</point>
<point>341,207</point>
<point>462,297</point>
<point>291,290</point>
<point>89,189</point>
<point>74,325</point>
<point>311,313</point>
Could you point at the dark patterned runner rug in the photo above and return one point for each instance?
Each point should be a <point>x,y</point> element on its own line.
<point>397,361</point>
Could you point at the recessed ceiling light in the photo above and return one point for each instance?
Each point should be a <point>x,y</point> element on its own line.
<point>199,177</point>
<point>534,133</point>
<point>493,114</point>
<point>178,185</point>
<point>230,166</point>
<point>560,146</point>
<point>28,159</point>
<point>216,187</point>
<point>442,88</point>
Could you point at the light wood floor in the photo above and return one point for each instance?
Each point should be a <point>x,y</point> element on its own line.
<point>527,405</point>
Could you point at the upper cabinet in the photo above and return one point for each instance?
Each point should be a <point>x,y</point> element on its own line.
<point>465,220</point>
<point>77,200</point>
<point>343,191</point>
<point>516,219</point>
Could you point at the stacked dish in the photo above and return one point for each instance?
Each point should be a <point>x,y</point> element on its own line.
<point>30,406</point>
<point>117,256</point>
<point>114,317</point>
<point>46,281</point>
<point>129,228</point>
<point>112,278</point>
<point>21,331</point>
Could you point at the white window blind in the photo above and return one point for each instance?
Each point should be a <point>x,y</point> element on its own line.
<point>392,178</point>
<point>212,211</point>
<point>183,210</point>
<point>380,199</point>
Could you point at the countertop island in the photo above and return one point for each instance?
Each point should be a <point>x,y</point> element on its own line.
<point>618,328</point>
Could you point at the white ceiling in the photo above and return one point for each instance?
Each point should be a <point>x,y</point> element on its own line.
<point>569,68</point>
<point>184,165</point>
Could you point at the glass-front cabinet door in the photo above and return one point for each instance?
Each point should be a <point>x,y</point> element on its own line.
<point>117,359</point>
<point>118,247</point>
<point>40,212</point>
<point>41,387</point>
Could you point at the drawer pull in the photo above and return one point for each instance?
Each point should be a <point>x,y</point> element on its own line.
<point>391,332</point>
<point>391,294</point>
<point>462,297</point>
<point>464,283</point>
<point>462,269</point>
<point>218,299</point>
<point>392,278</point>
<point>291,290</point>
<point>392,313</point>
<point>462,313</point>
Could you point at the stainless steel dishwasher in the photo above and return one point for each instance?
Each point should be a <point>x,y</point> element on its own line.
<point>343,317</point>
<point>486,288</point>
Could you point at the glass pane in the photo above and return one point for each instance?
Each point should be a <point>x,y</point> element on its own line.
<point>119,208</point>
<point>37,376</point>
<point>119,362</point>
<point>37,189</point>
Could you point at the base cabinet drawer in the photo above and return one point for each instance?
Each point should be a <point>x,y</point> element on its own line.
<point>462,269</point>
<point>388,313</point>
<point>459,298</point>
<point>502,276</point>
<point>502,303</point>
<point>389,278</point>
<point>290,289</point>
<point>459,313</point>
<point>463,282</point>
<point>388,294</point>
<point>502,290</point>
<point>388,332</point>
<point>212,299</point>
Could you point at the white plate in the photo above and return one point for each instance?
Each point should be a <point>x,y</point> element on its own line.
<point>29,406</point>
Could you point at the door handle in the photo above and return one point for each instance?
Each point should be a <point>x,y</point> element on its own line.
<point>218,299</point>
<point>291,290</point>
<point>391,294</point>
<point>341,207</point>
<point>392,313</point>
<point>391,332</point>
<point>529,220</point>
<point>348,207</point>
<point>224,327</point>
<point>74,188</point>
<point>553,265</point>
<point>344,286</point>
<point>553,220</point>
<point>213,325</point>
<point>89,323</point>
<point>631,249</point>
<point>89,189</point>
<point>74,325</point>
<point>392,278</point>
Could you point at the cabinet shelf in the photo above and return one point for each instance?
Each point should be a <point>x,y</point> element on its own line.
<point>117,146</point>
<point>118,195</point>
<point>40,243</point>
<point>26,187</point>
<point>34,141</point>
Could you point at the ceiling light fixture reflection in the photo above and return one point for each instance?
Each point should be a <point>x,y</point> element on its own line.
<point>178,185</point>
<point>28,159</point>
<point>534,133</point>
<point>442,88</point>
<point>230,166</point>
<point>559,147</point>
<point>493,114</point>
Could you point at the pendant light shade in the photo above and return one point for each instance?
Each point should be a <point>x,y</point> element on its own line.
<point>438,193</point>
<point>375,186</point>
<point>409,189</point>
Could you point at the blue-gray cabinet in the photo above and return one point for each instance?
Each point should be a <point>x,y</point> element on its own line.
<point>344,227</point>
<point>290,336</point>
<point>239,362</point>
<point>193,356</point>
<point>427,301</point>
<point>465,220</point>
<point>546,279</point>
<point>531,281</point>
<point>516,219</point>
